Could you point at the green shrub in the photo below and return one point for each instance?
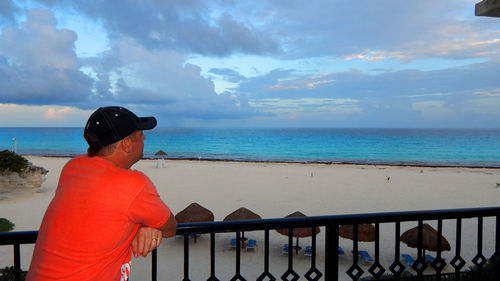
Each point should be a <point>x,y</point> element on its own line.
<point>6,225</point>
<point>7,274</point>
<point>9,161</point>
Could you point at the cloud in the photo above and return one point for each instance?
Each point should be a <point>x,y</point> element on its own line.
<point>228,74</point>
<point>432,109</point>
<point>56,114</point>
<point>7,10</point>
<point>364,66</point>
<point>44,116</point>
<point>485,106</point>
<point>159,79</point>
<point>307,105</point>
<point>488,93</point>
<point>183,26</point>
<point>40,65</point>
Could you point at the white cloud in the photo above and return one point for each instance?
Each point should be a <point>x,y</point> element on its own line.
<point>488,106</point>
<point>374,56</point>
<point>312,105</point>
<point>311,82</point>
<point>488,93</point>
<point>12,115</point>
<point>432,109</point>
<point>57,114</point>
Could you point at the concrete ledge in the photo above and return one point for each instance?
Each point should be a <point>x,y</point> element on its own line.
<point>488,8</point>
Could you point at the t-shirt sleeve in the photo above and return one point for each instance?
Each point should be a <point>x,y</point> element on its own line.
<point>147,208</point>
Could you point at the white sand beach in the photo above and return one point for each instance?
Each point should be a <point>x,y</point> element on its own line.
<point>274,190</point>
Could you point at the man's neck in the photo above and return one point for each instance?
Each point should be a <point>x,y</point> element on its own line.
<point>117,161</point>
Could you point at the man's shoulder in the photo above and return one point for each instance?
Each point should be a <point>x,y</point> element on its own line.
<point>105,169</point>
<point>138,175</point>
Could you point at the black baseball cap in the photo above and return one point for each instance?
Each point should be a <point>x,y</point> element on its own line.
<point>110,124</point>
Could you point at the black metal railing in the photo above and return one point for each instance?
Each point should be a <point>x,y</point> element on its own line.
<point>485,262</point>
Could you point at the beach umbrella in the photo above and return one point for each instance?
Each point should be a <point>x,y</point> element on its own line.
<point>298,232</point>
<point>194,213</point>
<point>161,153</point>
<point>429,239</point>
<point>366,232</point>
<point>242,214</point>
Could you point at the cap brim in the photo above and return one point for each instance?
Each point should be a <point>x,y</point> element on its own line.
<point>146,123</point>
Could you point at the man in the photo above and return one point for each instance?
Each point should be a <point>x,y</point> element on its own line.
<point>102,210</point>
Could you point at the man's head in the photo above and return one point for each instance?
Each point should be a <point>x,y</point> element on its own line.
<point>107,126</point>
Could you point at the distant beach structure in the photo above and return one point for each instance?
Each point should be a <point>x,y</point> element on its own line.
<point>160,163</point>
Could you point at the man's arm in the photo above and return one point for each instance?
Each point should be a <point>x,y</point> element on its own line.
<point>147,238</point>
<point>170,227</point>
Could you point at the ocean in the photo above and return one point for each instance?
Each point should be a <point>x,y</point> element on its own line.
<point>419,147</point>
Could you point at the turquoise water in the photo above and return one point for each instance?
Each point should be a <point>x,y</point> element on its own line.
<point>435,147</point>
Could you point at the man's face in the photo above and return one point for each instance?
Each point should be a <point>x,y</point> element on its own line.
<point>137,146</point>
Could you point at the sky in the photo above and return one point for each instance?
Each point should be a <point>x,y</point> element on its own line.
<point>239,64</point>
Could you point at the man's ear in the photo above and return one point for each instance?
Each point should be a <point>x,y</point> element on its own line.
<point>126,145</point>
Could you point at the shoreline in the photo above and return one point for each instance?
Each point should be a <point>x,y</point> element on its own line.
<point>416,164</point>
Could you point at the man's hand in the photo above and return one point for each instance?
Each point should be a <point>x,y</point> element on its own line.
<point>146,240</point>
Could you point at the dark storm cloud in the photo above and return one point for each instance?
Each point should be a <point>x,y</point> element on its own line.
<point>184,26</point>
<point>7,10</point>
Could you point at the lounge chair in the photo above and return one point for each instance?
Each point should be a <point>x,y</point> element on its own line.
<point>428,258</point>
<point>308,251</point>
<point>341,251</point>
<point>284,251</point>
<point>407,259</point>
<point>365,256</point>
<point>252,244</point>
<point>190,236</point>
<point>232,243</point>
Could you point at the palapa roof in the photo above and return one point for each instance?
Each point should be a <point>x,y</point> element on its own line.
<point>366,232</point>
<point>429,238</point>
<point>194,213</point>
<point>298,232</point>
<point>242,214</point>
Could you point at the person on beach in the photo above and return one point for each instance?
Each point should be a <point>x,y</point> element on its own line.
<point>102,211</point>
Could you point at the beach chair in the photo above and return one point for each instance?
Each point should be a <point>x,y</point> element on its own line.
<point>365,256</point>
<point>407,259</point>
<point>429,259</point>
<point>341,251</point>
<point>252,244</point>
<point>232,243</point>
<point>160,163</point>
<point>284,251</point>
<point>308,251</point>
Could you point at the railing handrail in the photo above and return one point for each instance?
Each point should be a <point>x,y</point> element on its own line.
<point>28,237</point>
<point>18,237</point>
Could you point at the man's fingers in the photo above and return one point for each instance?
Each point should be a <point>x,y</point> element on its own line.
<point>134,248</point>
<point>146,240</point>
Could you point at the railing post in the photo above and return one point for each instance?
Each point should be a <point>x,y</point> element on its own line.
<point>186,258</point>
<point>496,255</point>
<point>154,265</point>
<point>332,252</point>
<point>17,262</point>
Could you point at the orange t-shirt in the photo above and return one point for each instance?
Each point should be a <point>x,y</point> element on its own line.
<point>88,227</point>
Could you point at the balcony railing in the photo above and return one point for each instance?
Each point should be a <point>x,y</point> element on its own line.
<point>485,260</point>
